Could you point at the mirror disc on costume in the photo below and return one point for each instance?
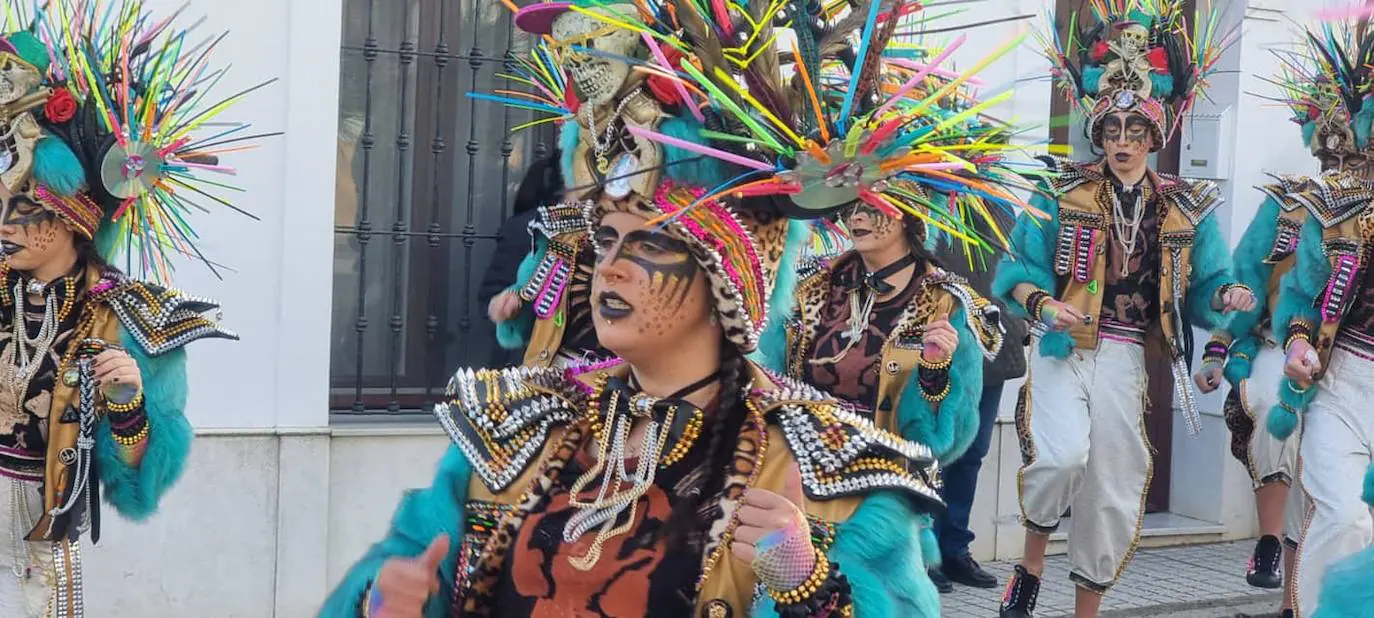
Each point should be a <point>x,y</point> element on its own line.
<point>618,178</point>
<point>130,170</point>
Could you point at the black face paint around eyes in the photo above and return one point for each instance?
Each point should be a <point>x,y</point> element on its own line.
<point>668,262</point>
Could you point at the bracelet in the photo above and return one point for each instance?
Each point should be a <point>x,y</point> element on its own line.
<point>934,378</point>
<point>135,439</point>
<point>1227,287</point>
<point>1297,330</point>
<point>1035,301</point>
<point>831,597</point>
<point>125,408</point>
<point>1215,351</point>
<point>808,588</point>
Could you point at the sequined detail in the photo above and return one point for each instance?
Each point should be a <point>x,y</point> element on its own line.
<point>1287,233</point>
<point>1282,191</point>
<point>984,317</point>
<point>841,453</point>
<point>1335,197</point>
<point>1077,243</point>
<point>558,224</point>
<point>1344,272</point>
<point>162,319</point>
<point>501,419</point>
<point>1195,199</point>
<point>482,519</point>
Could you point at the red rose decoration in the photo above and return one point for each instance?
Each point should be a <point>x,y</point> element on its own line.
<point>61,106</point>
<point>662,87</point>
<point>1159,60</point>
<point>1312,112</point>
<point>1099,51</point>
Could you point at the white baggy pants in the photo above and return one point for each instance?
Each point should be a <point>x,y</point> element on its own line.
<point>1337,447</point>
<point>1272,460</point>
<point>1081,423</point>
<point>26,573</point>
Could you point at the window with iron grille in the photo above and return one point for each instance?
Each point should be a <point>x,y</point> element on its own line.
<point>424,180</point>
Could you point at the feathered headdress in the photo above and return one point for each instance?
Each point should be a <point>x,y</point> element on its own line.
<point>708,123</point>
<point>1328,86</point>
<point>1138,56</point>
<point>130,131</point>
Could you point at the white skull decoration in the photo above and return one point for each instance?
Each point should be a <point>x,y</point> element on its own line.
<point>597,78</point>
<point>19,132</point>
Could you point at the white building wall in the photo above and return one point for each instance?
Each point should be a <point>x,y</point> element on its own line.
<point>275,504</point>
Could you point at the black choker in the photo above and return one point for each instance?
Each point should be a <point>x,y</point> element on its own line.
<point>877,280</point>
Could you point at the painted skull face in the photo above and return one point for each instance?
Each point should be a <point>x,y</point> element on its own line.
<point>17,78</point>
<point>596,78</point>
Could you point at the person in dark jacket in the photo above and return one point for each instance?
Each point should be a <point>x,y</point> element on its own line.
<point>961,476</point>
<point>542,185</point>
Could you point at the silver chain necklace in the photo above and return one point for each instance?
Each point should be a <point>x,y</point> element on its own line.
<point>601,143</point>
<point>1127,241</point>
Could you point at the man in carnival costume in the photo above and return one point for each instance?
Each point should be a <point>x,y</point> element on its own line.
<point>1326,312</point>
<point>92,366</point>
<point>681,483</point>
<point>1249,345</point>
<point>1129,254</point>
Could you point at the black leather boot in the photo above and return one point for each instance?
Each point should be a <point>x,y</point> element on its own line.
<point>1019,599</point>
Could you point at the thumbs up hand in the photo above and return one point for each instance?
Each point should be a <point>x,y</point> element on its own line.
<point>773,535</point>
<point>404,585</point>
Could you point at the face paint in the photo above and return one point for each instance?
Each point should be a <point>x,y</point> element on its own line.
<point>32,236</point>
<point>872,229</point>
<point>646,293</point>
<point>1127,141</point>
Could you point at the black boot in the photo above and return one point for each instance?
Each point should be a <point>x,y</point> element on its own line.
<point>941,582</point>
<point>1019,599</point>
<point>965,570</point>
<point>1263,571</point>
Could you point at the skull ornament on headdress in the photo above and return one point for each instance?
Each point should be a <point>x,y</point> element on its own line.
<point>1134,56</point>
<point>1328,88</point>
<point>21,92</point>
<point>596,78</point>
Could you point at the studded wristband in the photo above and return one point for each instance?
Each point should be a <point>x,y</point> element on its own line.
<point>1215,352</point>
<point>934,379</point>
<point>1035,302</point>
<point>1297,330</point>
<point>825,594</point>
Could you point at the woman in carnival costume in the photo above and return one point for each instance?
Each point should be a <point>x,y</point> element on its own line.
<point>1129,254</point>
<point>679,479</point>
<point>1326,312</point>
<point>1248,345</point>
<point>92,366</point>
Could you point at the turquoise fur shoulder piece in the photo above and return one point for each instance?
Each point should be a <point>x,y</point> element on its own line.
<point>135,491</point>
<point>422,515</point>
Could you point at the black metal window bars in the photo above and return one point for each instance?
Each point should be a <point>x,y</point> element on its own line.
<point>414,231</point>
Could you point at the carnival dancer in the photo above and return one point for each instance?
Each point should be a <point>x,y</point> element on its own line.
<point>1326,312</point>
<point>1129,254</point>
<point>92,366</point>
<point>1248,344</point>
<point>751,494</point>
<point>546,310</point>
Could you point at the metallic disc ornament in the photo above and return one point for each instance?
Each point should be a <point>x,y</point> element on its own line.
<point>131,170</point>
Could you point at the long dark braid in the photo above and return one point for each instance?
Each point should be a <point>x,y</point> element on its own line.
<point>725,425</point>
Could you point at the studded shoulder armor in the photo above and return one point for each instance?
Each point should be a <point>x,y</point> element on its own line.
<point>1335,197</point>
<point>1069,175</point>
<point>841,453</point>
<point>1284,187</point>
<point>1194,198</point>
<point>161,319</point>
<point>984,317</point>
<point>501,419</point>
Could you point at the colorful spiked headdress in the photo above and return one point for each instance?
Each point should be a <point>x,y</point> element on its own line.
<point>128,127</point>
<point>1329,85</point>
<point>1137,56</point>
<point>704,122</point>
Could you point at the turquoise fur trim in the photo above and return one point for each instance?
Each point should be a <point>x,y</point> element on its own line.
<point>567,144</point>
<point>514,333</point>
<point>1161,86</point>
<point>56,166</point>
<point>1238,360</point>
<point>135,491</point>
<point>1282,421</point>
<point>422,515</point>
<point>1363,118</point>
<point>878,551</point>
<point>1309,130</point>
<point>1368,495</point>
<point>1304,283</point>
<point>1056,344</point>
<point>1031,258</point>
<point>1252,271</point>
<point>690,167</point>
<point>1092,78</point>
<point>771,353</point>
<point>949,428</point>
<point>1211,269</point>
<point>930,545</point>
